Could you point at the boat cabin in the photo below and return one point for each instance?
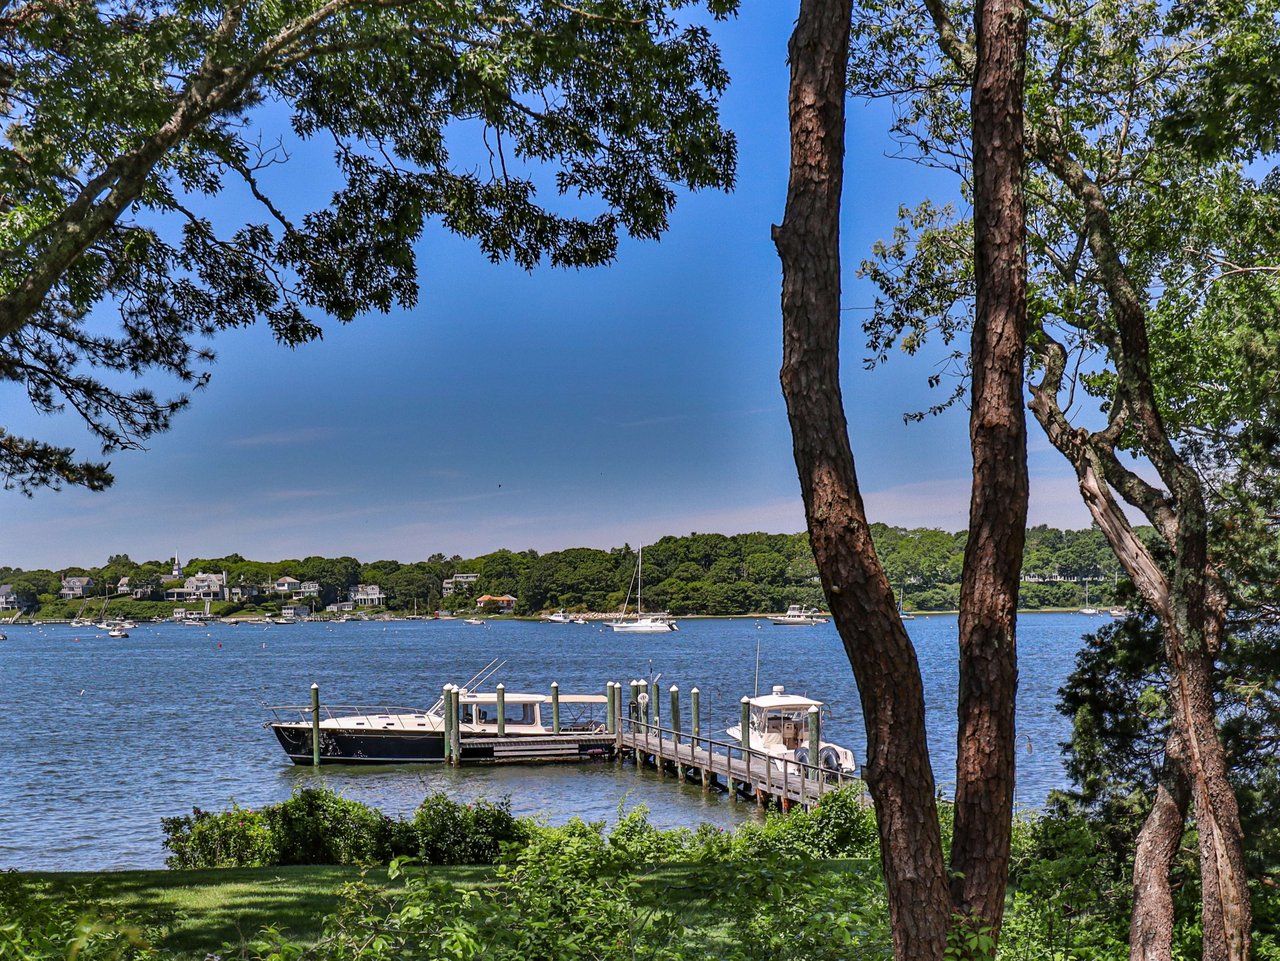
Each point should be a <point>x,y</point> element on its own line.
<point>523,713</point>
<point>781,719</point>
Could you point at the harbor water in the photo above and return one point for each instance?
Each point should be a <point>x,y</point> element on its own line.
<point>104,736</point>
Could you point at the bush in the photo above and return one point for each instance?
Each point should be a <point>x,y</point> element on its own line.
<point>239,838</point>
<point>37,926</point>
<point>317,826</point>
<point>445,832</point>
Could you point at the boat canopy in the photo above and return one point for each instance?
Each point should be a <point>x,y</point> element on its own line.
<point>779,700</point>
<point>515,697</point>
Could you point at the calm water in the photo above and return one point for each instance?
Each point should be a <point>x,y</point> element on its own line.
<point>102,737</point>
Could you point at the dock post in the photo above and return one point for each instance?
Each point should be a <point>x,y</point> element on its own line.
<point>675,730</point>
<point>695,721</point>
<point>555,707</point>
<point>501,693</point>
<point>608,709</point>
<point>815,739</point>
<point>746,734</point>
<point>446,701</point>
<point>633,712</point>
<point>315,725</point>
<point>456,732</point>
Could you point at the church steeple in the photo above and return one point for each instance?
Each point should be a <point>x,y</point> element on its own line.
<point>177,568</point>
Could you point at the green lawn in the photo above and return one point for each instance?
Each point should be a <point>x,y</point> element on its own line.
<point>215,907</point>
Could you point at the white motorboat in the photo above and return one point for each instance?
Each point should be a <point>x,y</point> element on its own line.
<point>1090,611</point>
<point>1118,612</point>
<point>474,621</point>
<point>642,623</point>
<point>559,617</point>
<point>780,728</point>
<point>798,616</point>
<point>117,632</point>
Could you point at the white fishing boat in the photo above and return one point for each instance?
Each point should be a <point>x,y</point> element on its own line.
<point>474,621</point>
<point>797,616</point>
<point>117,632</point>
<point>641,623</point>
<point>779,726</point>
<point>559,617</point>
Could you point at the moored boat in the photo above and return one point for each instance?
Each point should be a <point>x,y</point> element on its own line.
<point>797,616</point>
<point>779,726</point>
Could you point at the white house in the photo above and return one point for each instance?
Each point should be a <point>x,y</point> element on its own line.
<point>286,585</point>
<point>452,584</point>
<point>342,607</point>
<point>294,610</point>
<point>309,589</point>
<point>368,595</point>
<point>200,587</point>
<point>8,599</point>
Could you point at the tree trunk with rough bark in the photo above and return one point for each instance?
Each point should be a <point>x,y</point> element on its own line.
<point>1151,923</point>
<point>998,502</point>
<point>897,769</point>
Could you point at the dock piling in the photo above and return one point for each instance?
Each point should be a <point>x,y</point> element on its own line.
<point>501,693</point>
<point>315,725</point>
<point>456,739</point>
<point>446,701</point>
<point>746,733</point>
<point>555,707</point>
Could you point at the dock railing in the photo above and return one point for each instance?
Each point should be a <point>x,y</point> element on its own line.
<point>802,781</point>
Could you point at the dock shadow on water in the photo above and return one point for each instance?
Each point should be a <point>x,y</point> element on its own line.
<point>107,735</point>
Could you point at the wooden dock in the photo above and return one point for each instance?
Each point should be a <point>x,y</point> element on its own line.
<point>552,748</point>
<point>723,765</point>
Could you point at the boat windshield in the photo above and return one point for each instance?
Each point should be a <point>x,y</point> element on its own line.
<point>516,713</point>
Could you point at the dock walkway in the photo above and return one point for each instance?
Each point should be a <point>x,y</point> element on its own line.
<point>726,766</point>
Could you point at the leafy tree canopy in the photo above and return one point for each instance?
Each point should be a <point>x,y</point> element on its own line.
<point>123,119</point>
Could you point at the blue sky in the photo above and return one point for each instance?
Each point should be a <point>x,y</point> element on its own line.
<point>548,409</point>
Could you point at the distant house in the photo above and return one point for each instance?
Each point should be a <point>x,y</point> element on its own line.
<point>242,592</point>
<point>8,599</point>
<point>452,584</point>
<point>309,589</point>
<point>295,610</point>
<point>342,607</point>
<point>286,585</point>
<point>504,602</point>
<point>200,587</point>
<point>138,592</point>
<point>75,587</point>
<point>368,595</point>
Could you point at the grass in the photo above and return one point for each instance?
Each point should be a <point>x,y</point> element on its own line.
<point>226,906</point>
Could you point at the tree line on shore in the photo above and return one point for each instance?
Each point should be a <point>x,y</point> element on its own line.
<point>714,574</point>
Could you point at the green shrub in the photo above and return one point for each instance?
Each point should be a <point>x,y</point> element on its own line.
<point>239,838</point>
<point>318,826</point>
<point>446,832</point>
<point>37,926</point>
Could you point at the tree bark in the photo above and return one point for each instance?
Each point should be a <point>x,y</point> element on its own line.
<point>1151,923</point>
<point>897,769</point>
<point>998,502</point>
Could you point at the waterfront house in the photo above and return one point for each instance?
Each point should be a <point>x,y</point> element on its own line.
<point>200,587</point>
<point>368,595</point>
<point>505,603</point>
<point>286,585</point>
<point>309,589</point>
<point>75,587</point>
<point>342,607</point>
<point>8,598</point>
<point>294,610</point>
<point>243,592</point>
<point>457,582</point>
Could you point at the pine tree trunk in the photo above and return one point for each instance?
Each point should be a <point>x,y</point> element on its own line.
<point>1152,919</point>
<point>998,504</point>
<point>897,769</point>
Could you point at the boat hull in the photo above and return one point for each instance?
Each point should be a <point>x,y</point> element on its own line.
<point>361,747</point>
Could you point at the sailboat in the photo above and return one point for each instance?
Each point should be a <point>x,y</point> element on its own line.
<point>1087,610</point>
<point>642,623</point>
